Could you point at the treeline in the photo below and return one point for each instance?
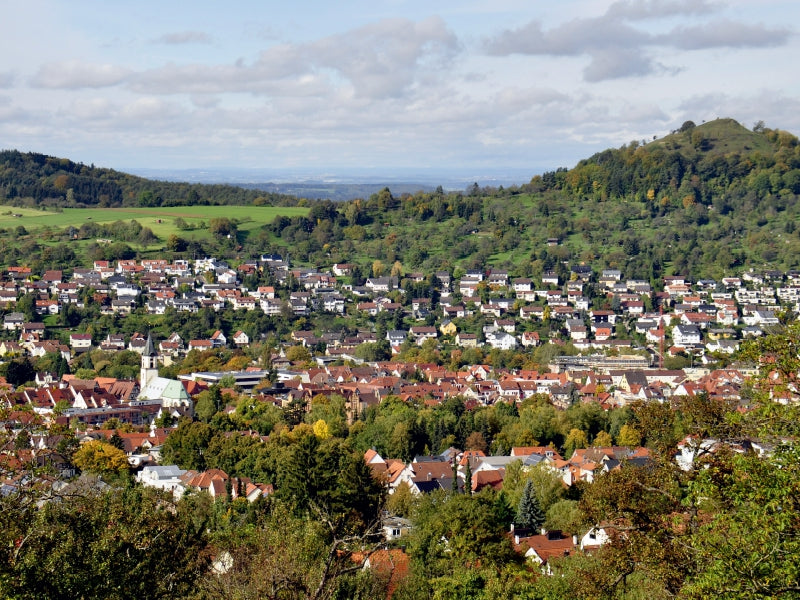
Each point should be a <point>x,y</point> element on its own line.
<point>37,180</point>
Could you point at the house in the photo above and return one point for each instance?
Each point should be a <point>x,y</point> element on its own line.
<point>448,328</point>
<point>163,477</point>
<point>381,284</point>
<point>80,341</point>
<point>422,333</point>
<point>218,339</point>
<point>396,337</point>
<point>241,339</point>
<point>467,340</point>
<point>200,345</point>
<point>13,321</point>
<point>501,340</point>
<point>686,335</point>
<point>540,549</point>
<point>530,338</point>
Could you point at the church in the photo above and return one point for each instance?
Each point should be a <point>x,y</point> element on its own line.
<point>173,396</point>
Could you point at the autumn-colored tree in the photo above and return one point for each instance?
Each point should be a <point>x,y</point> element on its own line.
<point>397,269</point>
<point>100,457</point>
<point>321,430</point>
<point>476,441</point>
<point>629,436</point>
<point>575,439</point>
<point>603,440</point>
<point>298,354</point>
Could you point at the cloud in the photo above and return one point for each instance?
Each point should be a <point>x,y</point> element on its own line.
<point>383,59</point>
<point>655,9</point>
<point>9,112</point>
<point>74,74</point>
<point>7,79</point>
<point>576,37</point>
<point>615,63</point>
<point>725,33</point>
<point>619,46</point>
<point>184,37</point>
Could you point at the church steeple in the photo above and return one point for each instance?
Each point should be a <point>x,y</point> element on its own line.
<point>149,369</point>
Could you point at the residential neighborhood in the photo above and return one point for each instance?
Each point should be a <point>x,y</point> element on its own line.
<point>589,342</point>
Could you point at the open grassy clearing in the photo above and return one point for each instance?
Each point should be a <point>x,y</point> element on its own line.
<point>160,220</point>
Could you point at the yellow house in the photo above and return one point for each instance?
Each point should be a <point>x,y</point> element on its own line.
<point>448,328</point>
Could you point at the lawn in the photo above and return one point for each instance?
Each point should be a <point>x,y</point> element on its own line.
<point>160,220</point>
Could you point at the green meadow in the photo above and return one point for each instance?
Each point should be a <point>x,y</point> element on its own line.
<point>160,220</point>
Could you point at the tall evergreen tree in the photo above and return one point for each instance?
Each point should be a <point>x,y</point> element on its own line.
<point>529,512</point>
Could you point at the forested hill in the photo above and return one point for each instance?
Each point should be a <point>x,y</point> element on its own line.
<point>33,179</point>
<point>704,201</point>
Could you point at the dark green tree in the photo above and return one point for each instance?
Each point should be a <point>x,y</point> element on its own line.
<point>529,512</point>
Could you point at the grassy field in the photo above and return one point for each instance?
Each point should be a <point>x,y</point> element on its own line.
<point>160,220</point>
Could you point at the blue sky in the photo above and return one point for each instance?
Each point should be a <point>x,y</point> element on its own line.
<point>472,84</point>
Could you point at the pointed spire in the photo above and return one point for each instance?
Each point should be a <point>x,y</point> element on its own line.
<point>149,348</point>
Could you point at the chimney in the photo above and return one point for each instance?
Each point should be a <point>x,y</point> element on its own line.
<point>574,540</point>
<point>543,531</point>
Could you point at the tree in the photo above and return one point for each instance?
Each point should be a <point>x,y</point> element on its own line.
<point>298,354</point>
<point>757,501</point>
<point>401,501</point>
<point>575,440</point>
<point>83,543</point>
<point>291,557</point>
<point>221,226</point>
<point>20,371</point>
<point>566,516</point>
<point>476,441</point>
<point>529,512</point>
<point>629,436</point>
<point>185,446</point>
<point>603,440</point>
<point>321,430</point>
<point>101,457</point>
<point>176,244</point>
<point>205,406</point>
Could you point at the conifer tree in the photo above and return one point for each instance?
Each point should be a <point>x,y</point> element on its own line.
<point>529,512</point>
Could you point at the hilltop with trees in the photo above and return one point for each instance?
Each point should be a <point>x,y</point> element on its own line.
<point>704,201</point>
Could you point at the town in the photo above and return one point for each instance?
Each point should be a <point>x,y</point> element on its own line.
<point>479,338</point>
<point>618,353</point>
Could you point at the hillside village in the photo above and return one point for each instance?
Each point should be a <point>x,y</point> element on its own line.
<point>617,353</point>
<point>618,334</point>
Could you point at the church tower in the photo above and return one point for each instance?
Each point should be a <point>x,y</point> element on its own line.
<point>149,369</point>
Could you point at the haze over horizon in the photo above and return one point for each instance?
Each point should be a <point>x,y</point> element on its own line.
<point>399,87</point>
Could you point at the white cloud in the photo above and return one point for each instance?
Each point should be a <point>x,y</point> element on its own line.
<point>636,10</point>
<point>380,60</point>
<point>184,37</point>
<point>725,33</point>
<point>618,45</point>
<point>73,74</point>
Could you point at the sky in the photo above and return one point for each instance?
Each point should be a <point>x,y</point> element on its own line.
<point>471,85</point>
